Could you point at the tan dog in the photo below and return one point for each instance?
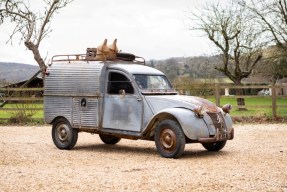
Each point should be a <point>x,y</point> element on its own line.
<point>113,50</point>
<point>102,51</point>
<point>105,52</point>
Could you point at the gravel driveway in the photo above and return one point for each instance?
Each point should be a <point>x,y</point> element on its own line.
<point>256,160</point>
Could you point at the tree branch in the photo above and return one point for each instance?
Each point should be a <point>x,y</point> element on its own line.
<point>27,23</point>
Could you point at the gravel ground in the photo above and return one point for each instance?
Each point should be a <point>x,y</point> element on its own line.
<point>256,160</point>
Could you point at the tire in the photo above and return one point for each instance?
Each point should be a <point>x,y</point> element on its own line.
<point>214,146</point>
<point>109,139</point>
<point>64,136</point>
<point>169,139</point>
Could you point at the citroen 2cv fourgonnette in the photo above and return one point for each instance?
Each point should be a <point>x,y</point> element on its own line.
<point>120,97</point>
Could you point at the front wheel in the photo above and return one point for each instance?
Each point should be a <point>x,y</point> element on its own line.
<point>109,139</point>
<point>216,146</point>
<point>64,136</point>
<point>169,139</point>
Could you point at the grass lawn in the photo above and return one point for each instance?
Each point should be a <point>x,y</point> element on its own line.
<point>10,113</point>
<point>257,112</point>
<point>255,102</point>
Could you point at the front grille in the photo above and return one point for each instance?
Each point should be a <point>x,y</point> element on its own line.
<point>218,120</point>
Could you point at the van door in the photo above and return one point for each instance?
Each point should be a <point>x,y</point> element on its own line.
<point>85,112</point>
<point>123,106</point>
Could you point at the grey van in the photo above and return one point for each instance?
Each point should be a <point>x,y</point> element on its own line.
<point>124,98</point>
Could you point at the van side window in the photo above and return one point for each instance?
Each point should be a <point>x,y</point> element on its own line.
<point>117,82</point>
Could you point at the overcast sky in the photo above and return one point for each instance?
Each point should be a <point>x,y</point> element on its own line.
<point>152,29</point>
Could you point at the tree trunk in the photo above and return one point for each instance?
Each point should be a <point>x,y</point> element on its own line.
<point>240,101</point>
<point>37,56</point>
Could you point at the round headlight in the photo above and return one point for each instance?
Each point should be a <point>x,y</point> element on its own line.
<point>227,108</point>
<point>199,111</point>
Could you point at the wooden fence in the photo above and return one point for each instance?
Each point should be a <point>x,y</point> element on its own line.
<point>13,100</point>
<point>272,95</point>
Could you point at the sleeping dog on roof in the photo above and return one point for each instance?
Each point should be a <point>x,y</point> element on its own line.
<point>108,52</point>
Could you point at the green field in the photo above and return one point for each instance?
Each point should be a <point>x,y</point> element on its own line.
<point>257,112</point>
<point>255,102</point>
<point>37,114</point>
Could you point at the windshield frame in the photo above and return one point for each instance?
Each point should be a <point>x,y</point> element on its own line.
<point>148,90</point>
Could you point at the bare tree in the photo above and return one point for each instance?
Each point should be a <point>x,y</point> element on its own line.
<point>33,27</point>
<point>230,29</point>
<point>273,65</point>
<point>272,16</point>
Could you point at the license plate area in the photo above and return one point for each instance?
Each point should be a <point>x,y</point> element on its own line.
<point>219,125</point>
<point>220,136</point>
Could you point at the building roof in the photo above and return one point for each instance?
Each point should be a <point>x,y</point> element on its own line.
<point>256,80</point>
<point>283,80</point>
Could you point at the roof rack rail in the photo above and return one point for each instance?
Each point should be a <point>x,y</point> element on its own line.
<point>93,57</point>
<point>69,58</point>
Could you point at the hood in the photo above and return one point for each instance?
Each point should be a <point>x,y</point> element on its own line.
<point>159,102</point>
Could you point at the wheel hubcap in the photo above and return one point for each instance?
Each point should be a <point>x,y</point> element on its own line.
<point>168,140</point>
<point>63,133</point>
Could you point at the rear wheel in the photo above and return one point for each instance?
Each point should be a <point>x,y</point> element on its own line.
<point>216,146</point>
<point>169,139</point>
<point>64,136</point>
<point>109,139</point>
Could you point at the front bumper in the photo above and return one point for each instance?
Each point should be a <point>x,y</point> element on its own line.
<point>219,136</point>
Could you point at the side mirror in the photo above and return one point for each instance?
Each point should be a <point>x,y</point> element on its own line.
<point>122,93</point>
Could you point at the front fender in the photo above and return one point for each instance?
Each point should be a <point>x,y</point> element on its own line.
<point>192,126</point>
<point>228,121</point>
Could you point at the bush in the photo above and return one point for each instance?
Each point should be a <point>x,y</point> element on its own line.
<point>23,112</point>
<point>20,117</point>
<point>195,87</point>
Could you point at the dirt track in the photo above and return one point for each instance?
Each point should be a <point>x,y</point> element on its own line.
<point>256,160</point>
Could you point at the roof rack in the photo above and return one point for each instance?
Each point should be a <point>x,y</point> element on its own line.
<point>89,56</point>
<point>102,53</point>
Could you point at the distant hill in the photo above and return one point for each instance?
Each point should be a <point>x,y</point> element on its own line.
<point>16,72</point>
<point>195,67</point>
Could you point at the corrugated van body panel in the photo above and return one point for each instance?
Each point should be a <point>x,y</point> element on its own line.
<point>75,79</point>
<point>66,85</point>
<point>57,106</point>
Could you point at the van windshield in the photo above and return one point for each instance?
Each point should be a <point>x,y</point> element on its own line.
<point>153,84</point>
